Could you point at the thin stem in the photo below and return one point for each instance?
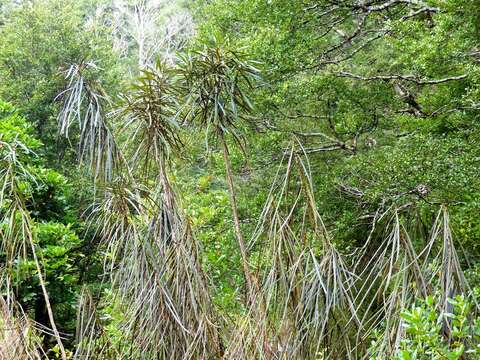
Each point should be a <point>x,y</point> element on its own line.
<point>47,302</point>
<point>167,188</point>
<point>236,221</point>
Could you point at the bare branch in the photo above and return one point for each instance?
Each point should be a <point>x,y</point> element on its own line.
<point>411,78</point>
<point>423,10</point>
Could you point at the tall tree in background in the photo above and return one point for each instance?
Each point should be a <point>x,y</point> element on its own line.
<point>142,30</point>
<point>40,40</point>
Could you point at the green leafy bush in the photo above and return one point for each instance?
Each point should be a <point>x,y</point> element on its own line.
<point>433,335</point>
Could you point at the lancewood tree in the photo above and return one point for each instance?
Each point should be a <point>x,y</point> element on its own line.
<point>320,300</point>
<point>154,254</point>
<point>84,105</point>
<point>177,290</point>
<point>148,112</point>
<point>216,81</point>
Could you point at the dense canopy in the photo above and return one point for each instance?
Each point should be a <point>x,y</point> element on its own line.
<point>239,179</point>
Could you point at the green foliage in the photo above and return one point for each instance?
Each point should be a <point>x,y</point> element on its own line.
<point>149,109</point>
<point>380,98</point>
<point>47,197</point>
<point>51,197</point>
<point>208,208</point>
<point>427,332</point>
<point>216,80</point>
<point>367,140</point>
<point>15,127</point>
<point>40,41</point>
<point>59,249</point>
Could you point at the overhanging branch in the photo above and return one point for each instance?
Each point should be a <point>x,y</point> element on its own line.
<point>411,78</point>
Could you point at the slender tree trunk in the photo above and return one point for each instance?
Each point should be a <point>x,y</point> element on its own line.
<point>167,187</point>
<point>47,303</point>
<point>236,221</point>
<point>254,296</point>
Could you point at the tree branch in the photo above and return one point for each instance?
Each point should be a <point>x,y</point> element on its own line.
<point>427,10</point>
<point>411,78</point>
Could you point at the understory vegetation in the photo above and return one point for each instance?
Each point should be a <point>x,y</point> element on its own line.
<point>239,179</point>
